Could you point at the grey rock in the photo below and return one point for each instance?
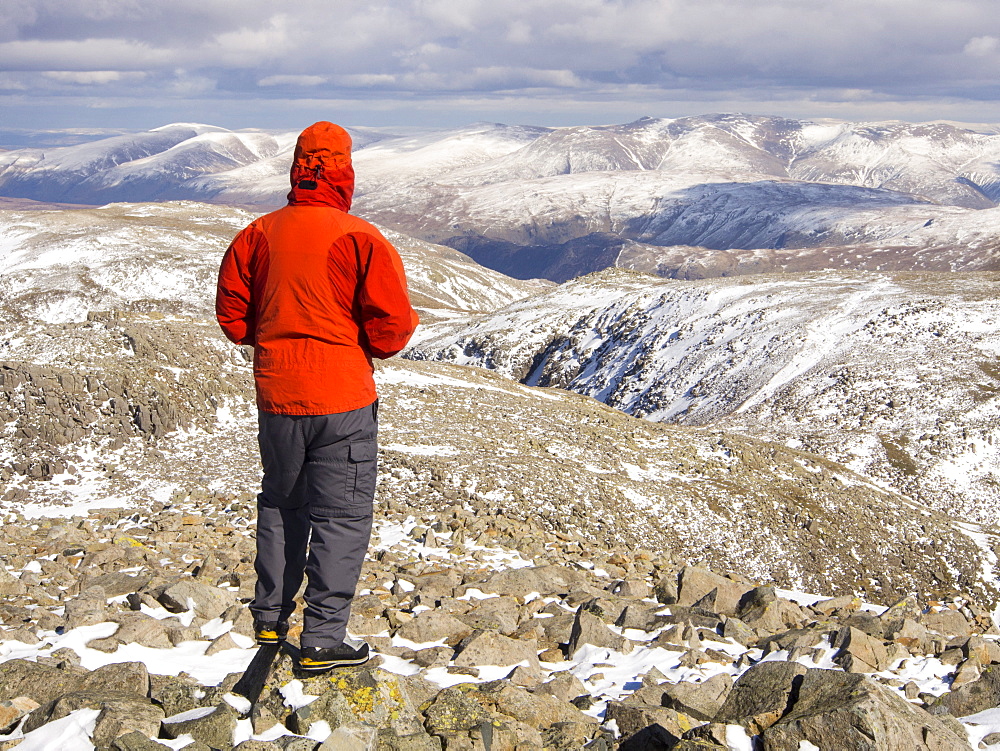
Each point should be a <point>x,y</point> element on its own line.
<point>206,600</point>
<point>648,726</point>
<point>215,728</point>
<point>695,583</point>
<point>139,628</point>
<point>699,700</point>
<point>136,741</point>
<point>638,615</point>
<point>125,677</point>
<point>564,685</point>
<point>710,735</point>
<point>370,695</point>
<point>860,715</point>
<point>571,736</point>
<point>558,628</point>
<point>634,589</point>
<point>10,585</point>
<point>122,717</point>
<point>388,739</point>
<point>86,611</point>
<point>495,614</point>
<point>42,683</point>
<point>859,652</point>
<point>972,697</point>
<point>261,718</point>
<point>116,584</point>
<point>545,580</point>
<point>355,736</point>
<point>796,637</point>
<point>432,625</point>
<point>947,622</point>
<point>590,629</point>
<point>251,745</point>
<point>121,712</point>
<point>221,644</point>
<point>454,711</point>
<point>534,709</point>
<point>491,648</point>
<point>761,695</point>
<point>739,631</point>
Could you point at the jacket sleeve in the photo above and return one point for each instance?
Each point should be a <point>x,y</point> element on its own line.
<point>387,317</point>
<point>234,307</point>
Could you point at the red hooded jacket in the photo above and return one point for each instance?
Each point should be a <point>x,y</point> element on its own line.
<point>316,291</point>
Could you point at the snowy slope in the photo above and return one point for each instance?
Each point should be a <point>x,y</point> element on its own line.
<point>893,374</point>
<point>60,265</point>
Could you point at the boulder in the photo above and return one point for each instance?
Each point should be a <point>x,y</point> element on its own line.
<point>454,711</point>
<point>590,629</point>
<point>116,584</point>
<point>124,677</point>
<point>696,583</point>
<point>859,714</point>
<point>973,697</point>
<point>563,685</point>
<point>212,726</point>
<point>136,741</point>
<point>761,695</point>
<point>124,717</point>
<point>206,600</point>
<point>495,614</point>
<point>520,582</point>
<point>859,652</point>
<point>434,626</point>
<point>699,700</point>
<point>534,709</point>
<point>139,628</point>
<point>491,648</point>
<point>355,736</point>
<point>762,609</point>
<point>12,710</point>
<point>121,713</point>
<point>39,682</point>
<point>10,585</point>
<point>371,696</point>
<point>644,725</point>
<point>947,622</point>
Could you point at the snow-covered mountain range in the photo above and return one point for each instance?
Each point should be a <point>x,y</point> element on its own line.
<point>700,196</point>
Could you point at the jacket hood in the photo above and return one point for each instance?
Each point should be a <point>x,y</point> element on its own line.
<point>322,173</point>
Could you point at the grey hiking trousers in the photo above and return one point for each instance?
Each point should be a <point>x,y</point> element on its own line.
<point>314,516</point>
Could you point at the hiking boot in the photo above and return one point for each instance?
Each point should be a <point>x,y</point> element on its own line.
<point>270,632</point>
<point>319,659</point>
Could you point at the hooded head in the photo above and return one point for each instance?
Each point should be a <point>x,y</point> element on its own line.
<point>322,174</point>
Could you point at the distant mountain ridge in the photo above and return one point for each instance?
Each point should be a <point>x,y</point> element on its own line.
<point>658,195</point>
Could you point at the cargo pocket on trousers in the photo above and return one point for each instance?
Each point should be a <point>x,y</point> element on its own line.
<point>362,473</point>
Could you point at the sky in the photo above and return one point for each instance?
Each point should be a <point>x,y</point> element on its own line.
<point>137,64</point>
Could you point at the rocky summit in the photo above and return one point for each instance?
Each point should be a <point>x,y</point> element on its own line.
<point>128,629</point>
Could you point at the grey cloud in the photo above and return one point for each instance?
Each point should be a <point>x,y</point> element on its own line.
<point>659,50</point>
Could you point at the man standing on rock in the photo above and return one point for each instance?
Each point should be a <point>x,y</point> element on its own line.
<point>318,293</point>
